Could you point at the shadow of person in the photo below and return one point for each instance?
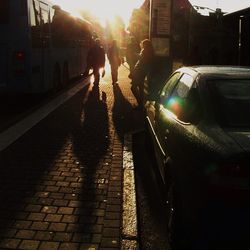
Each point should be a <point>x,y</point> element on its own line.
<point>30,169</point>
<point>124,118</point>
<point>90,145</point>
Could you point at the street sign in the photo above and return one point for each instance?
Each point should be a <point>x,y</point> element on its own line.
<point>160,25</point>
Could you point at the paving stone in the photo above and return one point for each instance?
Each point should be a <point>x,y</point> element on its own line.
<point>9,243</point>
<point>60,227</point>
<point>29,244</point>
<point>70,218</point>
<point>49,246</point>
<point>44,235</point>
<point>62,237</point>
<point>22,224</point>
<point>60,203</point>
<point>111,232</point>
<point>36,216</point>
<point>25,234</point>
<point>110,242</point>
<point>53,217</point>
<point>65,210</point>
<point>39,225</point>
<point>69,246</point>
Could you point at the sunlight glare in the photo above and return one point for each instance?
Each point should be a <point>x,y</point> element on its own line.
<point>105,10</point>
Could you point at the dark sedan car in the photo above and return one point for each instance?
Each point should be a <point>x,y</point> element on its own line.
<point>199,126</point>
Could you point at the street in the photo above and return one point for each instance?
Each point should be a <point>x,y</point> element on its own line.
<point>150,201</point>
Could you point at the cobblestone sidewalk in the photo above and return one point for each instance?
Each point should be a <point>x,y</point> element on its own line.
<point>61,183</point>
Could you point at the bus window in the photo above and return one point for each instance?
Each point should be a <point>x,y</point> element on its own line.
<point>35,21</point>
<point>4,11</point>
<point>45,24</point>
<point>45,18</point>
<point>34,14</point>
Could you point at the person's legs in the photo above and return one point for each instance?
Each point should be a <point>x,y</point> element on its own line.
<point>114,73</point>
<point>141,94</point>
<point>96,75</point>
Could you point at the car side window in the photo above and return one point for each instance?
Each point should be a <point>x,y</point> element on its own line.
<point>169,86</point>
<point>183,99</point>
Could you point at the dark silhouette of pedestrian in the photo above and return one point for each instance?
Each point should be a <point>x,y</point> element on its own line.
<point>114,60</point>
<point>141,70</point>
<point>96,60</point>
<point>89,60</point>
<point>132,54</point>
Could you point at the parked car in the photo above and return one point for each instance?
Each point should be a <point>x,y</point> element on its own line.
<point>199,126</point>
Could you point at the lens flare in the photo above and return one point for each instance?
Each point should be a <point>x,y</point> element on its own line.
<point>175,104</point>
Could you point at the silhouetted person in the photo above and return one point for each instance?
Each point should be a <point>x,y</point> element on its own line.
<point>141,70</point>
<point>96,60</point>
<point>132,54</point>
<point>89,60</point>
<point>114,60</point>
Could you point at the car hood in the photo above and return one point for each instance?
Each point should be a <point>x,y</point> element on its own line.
<point>242,138</point>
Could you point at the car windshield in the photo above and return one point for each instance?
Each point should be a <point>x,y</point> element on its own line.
<point>231,101</point>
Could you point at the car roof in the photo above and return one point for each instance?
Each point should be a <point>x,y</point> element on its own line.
<point>213,70</point>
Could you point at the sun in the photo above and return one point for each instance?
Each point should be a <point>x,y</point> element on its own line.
<point>105,10</point>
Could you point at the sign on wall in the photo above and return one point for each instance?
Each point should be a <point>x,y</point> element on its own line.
<point>160,26</point>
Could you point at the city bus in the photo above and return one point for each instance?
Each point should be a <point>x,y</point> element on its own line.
<point>41,46</point>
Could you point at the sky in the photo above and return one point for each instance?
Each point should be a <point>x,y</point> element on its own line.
<point>107,9</point>
<point>225,5</point>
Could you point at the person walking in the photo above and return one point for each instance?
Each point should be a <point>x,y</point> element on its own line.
<point>96,60</point>
<point>141,70</point>
<point>114,60</point>
<point>132,54</point>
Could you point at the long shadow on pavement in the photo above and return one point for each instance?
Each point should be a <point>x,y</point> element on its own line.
<point>31,176</point>
<point>90,144</point>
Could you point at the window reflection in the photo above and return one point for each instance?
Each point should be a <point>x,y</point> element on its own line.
<point>231,101</point>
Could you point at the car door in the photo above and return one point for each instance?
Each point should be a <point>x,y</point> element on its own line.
<point>174,123</point>
<point>154,120</point>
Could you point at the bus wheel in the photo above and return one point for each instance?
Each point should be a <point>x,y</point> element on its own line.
<point>65,74</point>
<point>56,78</point>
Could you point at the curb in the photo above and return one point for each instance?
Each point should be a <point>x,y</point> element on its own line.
<point>129,214</point>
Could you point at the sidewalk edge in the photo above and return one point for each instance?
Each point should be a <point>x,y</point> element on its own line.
<point>129,214</point>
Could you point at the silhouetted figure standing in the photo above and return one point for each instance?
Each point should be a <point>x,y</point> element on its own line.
<point>96,60</point>
<point>132,54</point>
<point>141,70</point>
<point>114,60</point>
<point>89,59</point>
